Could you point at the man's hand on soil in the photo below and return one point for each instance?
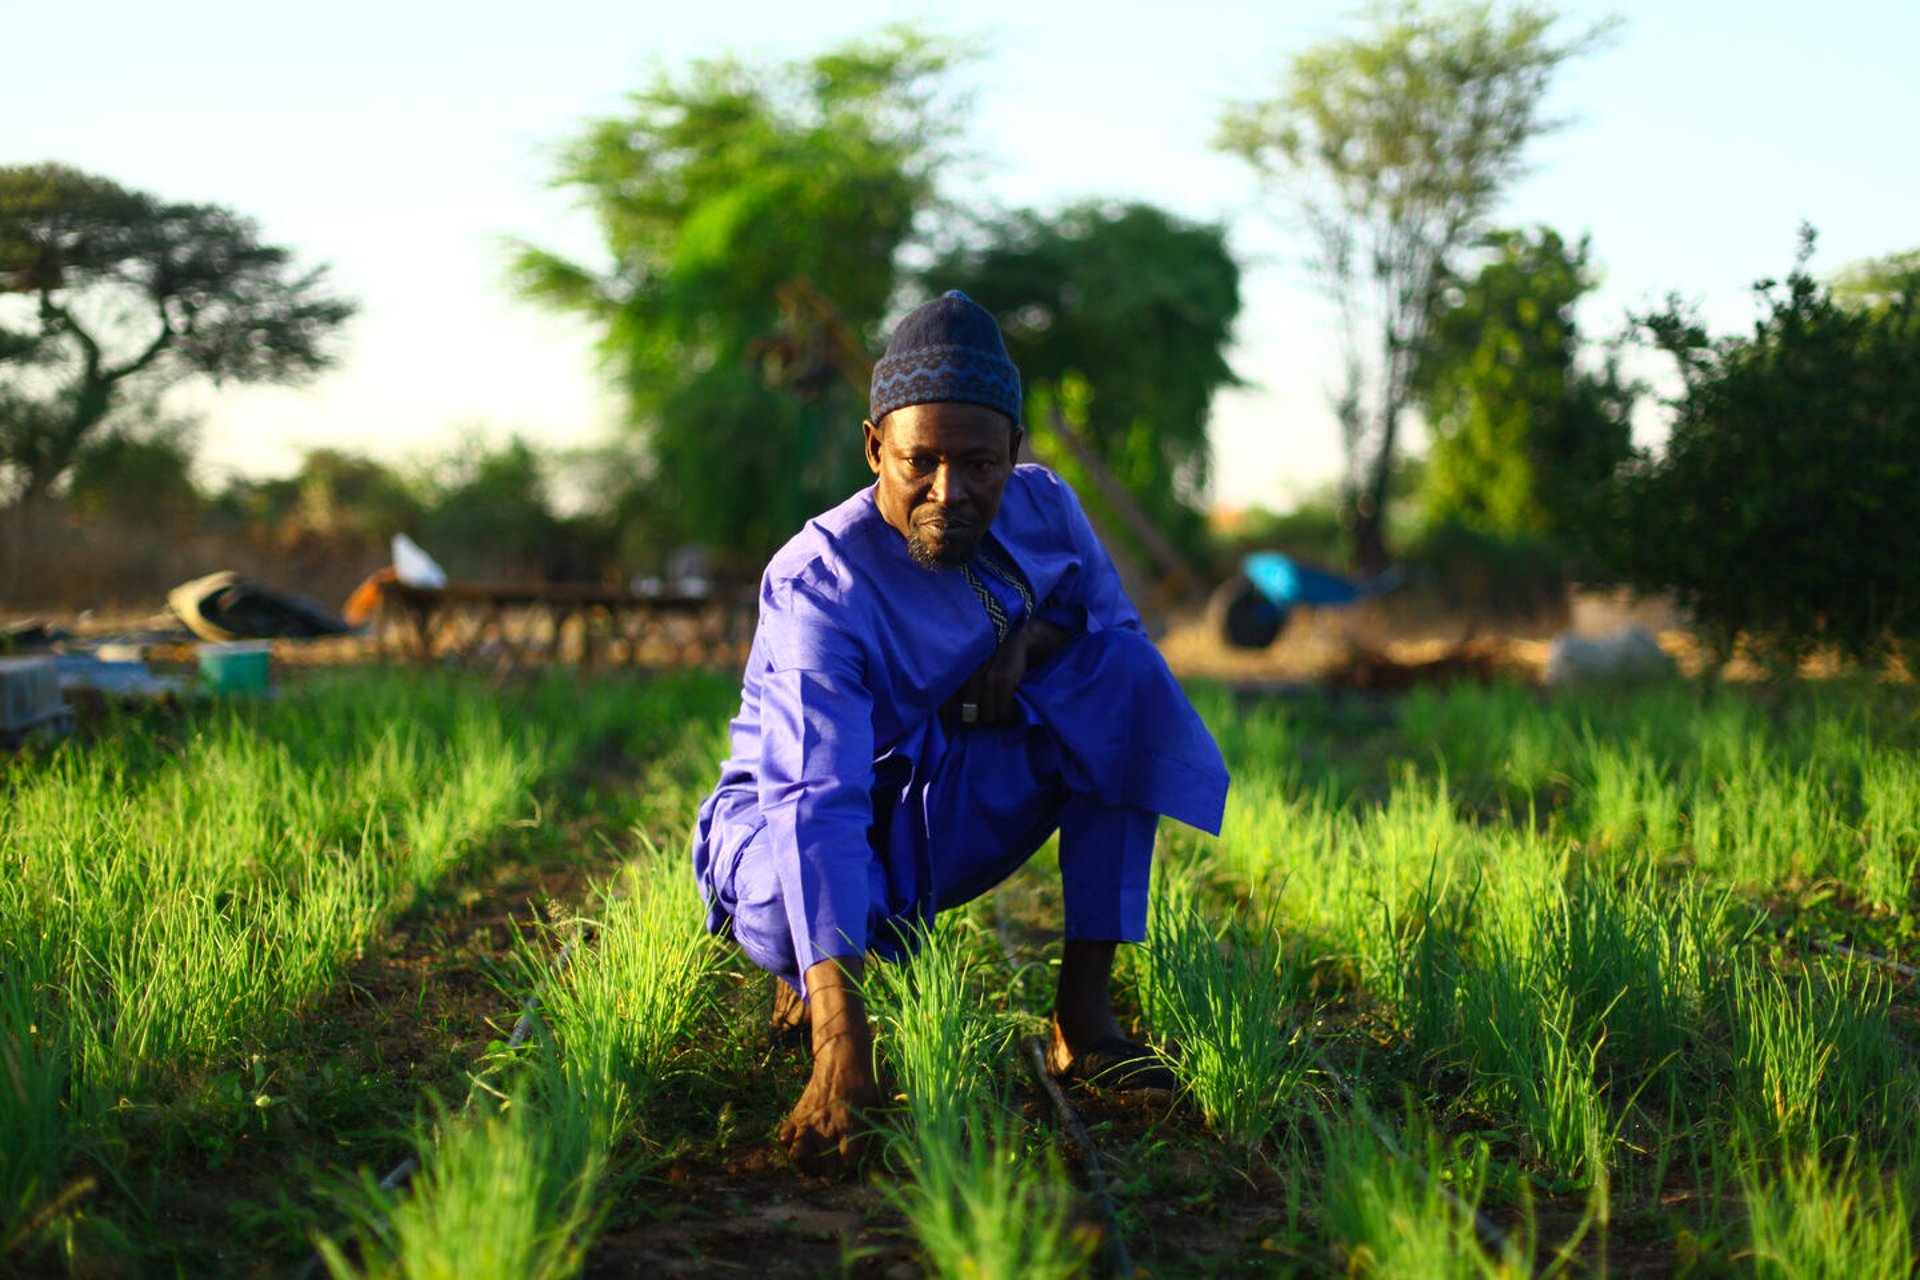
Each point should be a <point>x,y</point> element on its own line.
<point>826,1133</point>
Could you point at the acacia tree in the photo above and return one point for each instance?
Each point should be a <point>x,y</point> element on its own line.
<point>1391,146</point>
<point>719,186</point>
<point>103,288</point>
<point>1125,312</point>
<point>1523,439</point>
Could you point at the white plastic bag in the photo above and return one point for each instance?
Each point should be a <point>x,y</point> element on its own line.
<point>1628,654</point>
<point>415,567</point>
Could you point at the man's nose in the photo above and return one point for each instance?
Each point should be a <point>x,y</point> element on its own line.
<point>947,488</point>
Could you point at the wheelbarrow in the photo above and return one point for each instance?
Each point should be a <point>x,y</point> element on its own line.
<point>1252,607</point>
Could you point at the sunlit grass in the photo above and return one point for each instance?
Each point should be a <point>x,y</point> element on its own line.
<point>174,893</point>
<point>618,1022</point>
<point>158,905</point>
<point>1226,1004</point>
<point>163,902</point>
<point>494,1200</point>
<point>1530,1055</point>
<point>983,1205</point>
<point>1827,1220</point>
<point>1391,1218</point>
<point>1567,934</point>
<point>979,1202</point>
<point>631,1002</point>
<point>1816,1054</point>
<point>35,1139</point>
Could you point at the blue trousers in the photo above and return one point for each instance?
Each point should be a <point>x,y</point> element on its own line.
<point>967,814</point>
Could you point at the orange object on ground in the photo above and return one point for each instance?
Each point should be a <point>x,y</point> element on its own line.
<point>366,597</point>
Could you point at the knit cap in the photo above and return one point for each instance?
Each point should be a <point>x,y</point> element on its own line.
<point>946,349</point>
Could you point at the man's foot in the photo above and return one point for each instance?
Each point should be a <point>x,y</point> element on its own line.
<point>1110,1062</point>
<point>790,1012</point>
<point>1088,1045</point>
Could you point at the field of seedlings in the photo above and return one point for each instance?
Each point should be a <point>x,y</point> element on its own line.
<point>398,975</point>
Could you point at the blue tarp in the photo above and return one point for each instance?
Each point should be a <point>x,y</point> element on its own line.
<point>1285,584</point>
<point>84,671</point>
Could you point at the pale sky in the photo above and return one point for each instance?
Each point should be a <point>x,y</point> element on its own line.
<point>402,142</point>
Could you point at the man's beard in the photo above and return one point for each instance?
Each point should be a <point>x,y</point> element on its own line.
<point>951,554</point>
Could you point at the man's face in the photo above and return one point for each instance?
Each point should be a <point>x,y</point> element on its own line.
<point>942,469</point>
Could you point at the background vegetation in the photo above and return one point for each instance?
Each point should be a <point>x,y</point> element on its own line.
<point>762,222</point>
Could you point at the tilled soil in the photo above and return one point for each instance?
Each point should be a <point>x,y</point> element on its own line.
<point>745,1211</point>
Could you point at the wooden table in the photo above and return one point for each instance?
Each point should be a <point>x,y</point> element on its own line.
<point>509,625</point>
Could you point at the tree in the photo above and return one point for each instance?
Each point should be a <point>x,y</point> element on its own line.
<point>138,468</point>
<point>489,514</point>
<point>1392,145</point>
<point>1125,310</point>
<point>1523,439</point>
<point>1780,512</point>
<point>1878,282</point>
<point>103,288</point>
<point>714,190</point>
<point>350,499</point>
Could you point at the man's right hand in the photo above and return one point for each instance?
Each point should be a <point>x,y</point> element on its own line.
<point>826,1132</point>
<point>991,689</point>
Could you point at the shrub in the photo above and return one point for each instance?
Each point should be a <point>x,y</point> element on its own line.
<point>1781,510</point>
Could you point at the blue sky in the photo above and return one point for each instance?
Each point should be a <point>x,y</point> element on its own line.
<point>402,143</point>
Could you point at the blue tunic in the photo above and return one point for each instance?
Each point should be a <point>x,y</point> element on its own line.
<point>847,802</point>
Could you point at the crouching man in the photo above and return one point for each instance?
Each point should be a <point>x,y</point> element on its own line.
<point>946,670</point>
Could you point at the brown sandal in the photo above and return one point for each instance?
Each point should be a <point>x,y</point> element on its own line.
<point>1120,1065</point>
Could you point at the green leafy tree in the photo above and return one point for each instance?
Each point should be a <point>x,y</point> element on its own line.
<point>1123,312</point>
<point>489,514</point>
<point>1523,439</point>
<point>713,190</point>
<point>1878,282</point>
<point>1781,511</point>
<point>103,290</point>
<point>343,495</point>
<point>1392,145</point>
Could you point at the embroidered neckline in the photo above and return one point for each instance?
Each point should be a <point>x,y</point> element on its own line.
<point>1007,573</point>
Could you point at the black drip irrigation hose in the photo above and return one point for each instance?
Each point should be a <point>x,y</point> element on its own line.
<point>1885,962</point>
<point>402,1173</point>
<point>1119,1261</point>
<point>1867,957</point>
<point>1113,1240</point>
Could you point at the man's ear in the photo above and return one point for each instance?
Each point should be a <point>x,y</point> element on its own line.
<point>875,437</point>
<point>1013,453</point>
